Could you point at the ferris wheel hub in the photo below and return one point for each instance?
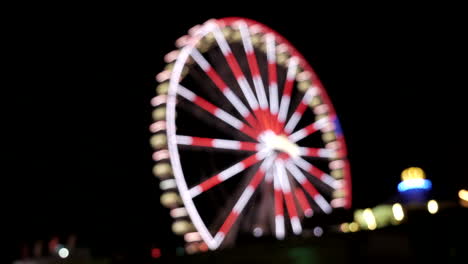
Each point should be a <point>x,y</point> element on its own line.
<point>272,141</point>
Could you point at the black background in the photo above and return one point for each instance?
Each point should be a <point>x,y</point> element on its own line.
<point>80,160</point>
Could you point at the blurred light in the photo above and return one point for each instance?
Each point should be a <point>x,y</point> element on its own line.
<point>413,173</point>
<point>339,202</point>
<point>318,231</point>
<point>203,247</point>
<point>155,253</point>
<point>191,248</point>
<point>414,184</point>
<point>432,206</point>
<point>369,218</point>
<point>160,99</point>
<point>158,141</point>
<point>398,213</point>
<point>158,126</point>
<point>170,199</point>
<point>344,227</point>
<point>192,237</point>
<point>353,227</point>
<point>160,155</point>
<point>168,184</point>
<point>258,232</point>
<point>182,227</point>
<point>63,252</point>
<point>178,212</point>
<point>53,243</point>
<point>463,194</point>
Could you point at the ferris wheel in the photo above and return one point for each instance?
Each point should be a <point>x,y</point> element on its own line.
<point>245,136</point>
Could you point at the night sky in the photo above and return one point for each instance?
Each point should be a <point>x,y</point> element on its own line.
<point>81,161</point>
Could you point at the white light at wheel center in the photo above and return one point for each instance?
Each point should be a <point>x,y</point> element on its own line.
<point>280,143</point>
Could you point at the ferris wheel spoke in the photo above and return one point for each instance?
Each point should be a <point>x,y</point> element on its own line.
<point>297,114</point>
<point>272,74</point>
<point>288,196</point>
<point>308,187</point>
<point>286,97</point>
<point>234,65</point>
<point>216,111</point>
<point>227,173</point>
<point>303,202</point>
<point>269,175</point>
<point>243,200</point>
<point>265,115</point>
<point>253,65</point>
<point>279,207</point>
<point>272,79</point>
<point>308,130</point>
<point>317,152</point>
<point>317,173</point>
<point>222,86</point>
<point>217,143</point>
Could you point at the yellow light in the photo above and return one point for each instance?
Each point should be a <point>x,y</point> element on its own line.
<point>413,173</point>
<point>432,206</point>
<point>353,227</point>
<point>463,194</point>
<point>282,144</point>
<point>182,227</point>
<point>344,227</point>
<point>170,199</point>
<point>369,218</point>
<point>398,213</point>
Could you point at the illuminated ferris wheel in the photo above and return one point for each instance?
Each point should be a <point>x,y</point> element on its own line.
<point>245,137</point>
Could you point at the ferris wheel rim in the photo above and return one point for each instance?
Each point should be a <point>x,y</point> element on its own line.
<point>212,241</point>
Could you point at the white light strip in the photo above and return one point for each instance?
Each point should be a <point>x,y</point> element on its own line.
<point>178,212</point>
<point>236,102</point>
<point>172,147</point>
<point>296,225</point>
<point>270,47</point>
<point>245,35</point>
<point>283,111</point>
<point>286,188</point>
<point>292,122</point>
<point>202,62</point>
<point>279,227</point>
<point>222,43</point>
<point>186,93</point>
<point>184,140</point>
<point>322,203</point>
<point>245,197</point>
<point>260,89</point>
<point>195,191</point>
<point>245,87</point>
<point>292,68</point>
<point>229,119</point>
<point>231,171</point>
<point>274,98</point>
<point>296,173</point>
<point>302,163</point>
<point>167,184</point>
<point>227,144</point>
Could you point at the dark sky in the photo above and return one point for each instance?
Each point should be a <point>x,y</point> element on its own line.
<point>81,161</point>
